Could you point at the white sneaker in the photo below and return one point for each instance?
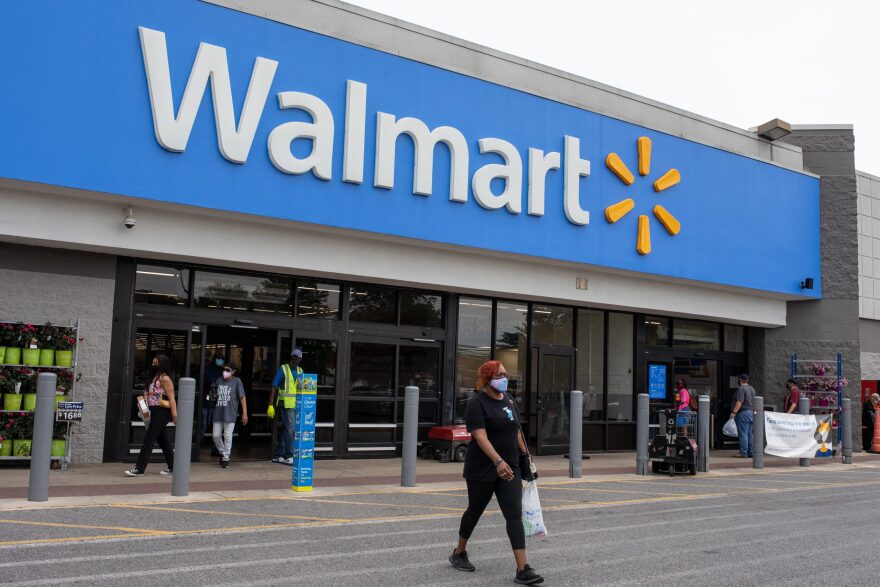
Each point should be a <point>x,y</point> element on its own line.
<point>166,471</point>
<point>133,472</point>
<point>287,461</point>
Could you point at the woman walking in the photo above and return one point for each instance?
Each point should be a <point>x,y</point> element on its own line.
<point>491,466</point>
<point>163,407</point>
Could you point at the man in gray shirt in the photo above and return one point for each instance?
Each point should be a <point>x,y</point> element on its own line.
<point>230,391</point>
<point>743,411</point>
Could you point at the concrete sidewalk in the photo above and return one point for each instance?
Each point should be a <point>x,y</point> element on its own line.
<point>108,480</point>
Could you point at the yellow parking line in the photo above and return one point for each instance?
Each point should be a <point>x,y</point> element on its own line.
<point>86,526</point>
<point>601,490</point>
<point>384,505</point>
<point>245,514</point>
<point>74,539</point>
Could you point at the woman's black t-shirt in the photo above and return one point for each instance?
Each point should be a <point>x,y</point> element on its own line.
<point>499,418</point>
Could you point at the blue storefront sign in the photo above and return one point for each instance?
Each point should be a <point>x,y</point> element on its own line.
<point>304,432</point>
<point>657,381</point>
<point>308,128</point>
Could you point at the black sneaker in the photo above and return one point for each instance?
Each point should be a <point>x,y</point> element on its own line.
<point>528,576</point>
<point>224,463</point>
<point>133,472</point>
<point>461,562</point>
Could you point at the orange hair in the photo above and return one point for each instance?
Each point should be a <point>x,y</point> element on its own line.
<point>487,371</point>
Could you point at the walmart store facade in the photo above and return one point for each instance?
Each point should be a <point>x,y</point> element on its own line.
<point>401,205</point>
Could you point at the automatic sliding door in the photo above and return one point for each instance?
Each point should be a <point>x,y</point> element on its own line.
<point>371,420</point>
<point>319,357</point>
<point>419,366</point>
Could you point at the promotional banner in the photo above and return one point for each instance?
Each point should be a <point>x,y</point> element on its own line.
<point>304,432</point>
<point>797,436</point>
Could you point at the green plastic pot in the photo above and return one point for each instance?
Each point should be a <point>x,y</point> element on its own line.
<point>2,354</point>
<point>12,401</point>
<point>6,448</point>
<point>13,356</point>
<point>29,402</point>
<point>59,447</point>
<point>60,398</point>
<point>47,357</point>
<point>21,448</point>
<point>30,357</point>
<point>63,358</point>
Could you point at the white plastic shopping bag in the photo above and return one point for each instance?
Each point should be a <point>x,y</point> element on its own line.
<point>729,428</point>
<point>533,519</point>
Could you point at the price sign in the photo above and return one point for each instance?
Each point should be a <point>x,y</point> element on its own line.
<point>69,412</point>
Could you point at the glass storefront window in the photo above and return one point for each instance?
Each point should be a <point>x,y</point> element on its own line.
<point>511,331</point>
<point>591,362</point>
<point>167,286</point>
<point>690,334</point>
<point>243,292</point>
<point>317,300</point>
<point>474,347</point>
<point>371,369</point>
<point>734,338</point>
<point>552,325</point>
<point>421,309</point>
<point>620,367</point>
<point>656,331</point>
<point>373,304</point>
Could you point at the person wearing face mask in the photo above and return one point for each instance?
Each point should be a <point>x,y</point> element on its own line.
<point>163,407</point>
<point>285,385</point>
<point>230,391</point>
<point>491,466</point>
<point>213,372</point>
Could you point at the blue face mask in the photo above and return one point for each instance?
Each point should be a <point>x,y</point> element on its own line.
<point>218,362</point>
<point>499,384</point>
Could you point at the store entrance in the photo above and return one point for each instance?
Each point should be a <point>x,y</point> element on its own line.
<point>552,376</point>
<point>254,352</point>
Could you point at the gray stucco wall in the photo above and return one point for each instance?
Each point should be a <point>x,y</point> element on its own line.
<point>818,330</point>
<point>39,285</point>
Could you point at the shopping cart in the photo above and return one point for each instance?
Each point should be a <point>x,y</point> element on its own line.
<point>674,449</point>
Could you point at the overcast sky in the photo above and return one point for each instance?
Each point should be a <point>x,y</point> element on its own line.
<point>743,62</point>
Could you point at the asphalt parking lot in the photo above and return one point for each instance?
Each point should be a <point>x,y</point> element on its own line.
<point>792,526</point>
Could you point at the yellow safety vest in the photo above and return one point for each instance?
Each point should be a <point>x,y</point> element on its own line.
<point>288,392</point>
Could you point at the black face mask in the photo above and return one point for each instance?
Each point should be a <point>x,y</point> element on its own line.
<point>154,370</point>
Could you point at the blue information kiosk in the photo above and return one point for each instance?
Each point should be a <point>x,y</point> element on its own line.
<point>304,433</point>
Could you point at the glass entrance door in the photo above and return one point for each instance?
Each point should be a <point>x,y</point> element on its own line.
<point>552,381</point>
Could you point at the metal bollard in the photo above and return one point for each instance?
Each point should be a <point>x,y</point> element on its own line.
<point>575,437</point>
<point>846,422</point>
<point>758,434</point>
<point>186,399</point>
<point>41,445</point>
<point>703,434</point>
<point>410,436</point>
<point>804,410</point>
<point>642,435</point>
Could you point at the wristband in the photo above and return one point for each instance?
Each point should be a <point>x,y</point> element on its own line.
<point>498,461</point>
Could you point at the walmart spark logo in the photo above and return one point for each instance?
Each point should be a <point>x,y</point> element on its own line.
<point>615,212</point>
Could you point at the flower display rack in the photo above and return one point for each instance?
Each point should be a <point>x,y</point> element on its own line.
<point>822,381</point>
<point>26,351</point>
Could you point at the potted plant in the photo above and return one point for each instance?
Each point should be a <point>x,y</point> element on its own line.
<point>65,382</point>
<point>30,349</point>
<point>59,439</point>
<point>5,340</point>
<point>12,398</point>
<point>64,346</point>
<point>6,422</point>
<point>12,339</point>
<point>28,379</point>
<point>49,335</point>
<point>22,435</point>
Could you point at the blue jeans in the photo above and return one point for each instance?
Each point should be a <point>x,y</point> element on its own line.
<point>745,420</point>
<point>284,443</point>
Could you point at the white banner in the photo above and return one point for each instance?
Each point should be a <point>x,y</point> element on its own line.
<point>797,436</point>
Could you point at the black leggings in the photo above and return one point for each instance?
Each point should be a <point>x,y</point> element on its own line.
<point>159,418</point>
<point>509,496</point>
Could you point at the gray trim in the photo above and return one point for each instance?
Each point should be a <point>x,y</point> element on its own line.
<point>384,33</point>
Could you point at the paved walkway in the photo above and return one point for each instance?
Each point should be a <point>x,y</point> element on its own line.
<point>89,481</point>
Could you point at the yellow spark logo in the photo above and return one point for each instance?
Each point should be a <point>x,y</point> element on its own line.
<point>615,212</point>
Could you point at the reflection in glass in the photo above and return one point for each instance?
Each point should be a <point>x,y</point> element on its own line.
<point>591,361</point>
<point>690,334</point>
<point>317,300</point>
<point>474,347</point>
<point>319,357</point>
<point>620,367</point>
<point>511,329</point>
<point>552,325</point>
<point>371,370</point>
<point>421,309</point>
<point>419,366</point>
<point>372,304</point>
<point>656,331</point>
<point>554,389</point>
<point>155,284</point>
<point>243,292</point>
<point>370,412</point>
<point>734,338</point>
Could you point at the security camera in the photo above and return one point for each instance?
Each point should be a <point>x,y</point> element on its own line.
<point>129,220</point>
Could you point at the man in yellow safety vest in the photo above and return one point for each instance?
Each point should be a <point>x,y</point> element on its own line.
<point>283,396</point>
